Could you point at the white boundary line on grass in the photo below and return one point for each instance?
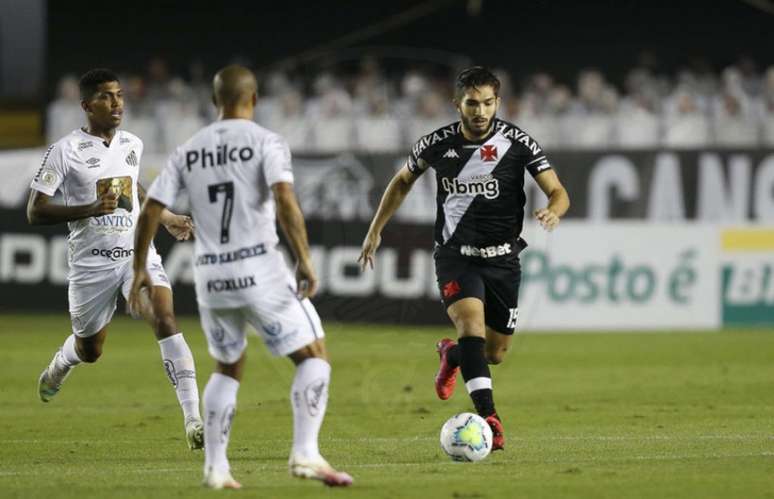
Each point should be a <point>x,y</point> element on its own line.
<point>280,467</point>
<point>600,438</point>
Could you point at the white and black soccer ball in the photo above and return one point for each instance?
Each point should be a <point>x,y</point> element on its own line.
<point>466,437</point>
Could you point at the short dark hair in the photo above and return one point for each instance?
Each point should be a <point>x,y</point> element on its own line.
<point>92,79</point>
<point>474,77</point>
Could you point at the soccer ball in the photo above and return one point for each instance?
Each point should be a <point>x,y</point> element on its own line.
<point>466,437</point>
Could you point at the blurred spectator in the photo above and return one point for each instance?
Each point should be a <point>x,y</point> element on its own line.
<point>685,126</point>
<point>750,79</point>
<point>590,123</point>
<point>540,116</point>
<point>290,121</point>
<point>766,109</point>
<point>157,87</point>
<point>368,81</point>
<point>432,112</point>
<point>378,130</point>
<point>413,86</point>
<point>201,88</point>
<point>178,115</point>
<point>64,114</point>
<point>139,117</point>
<point>636,123</point>
<point>330,114</point>
<point>733,122</point>
<point>538,109</point>
<point>365,109</point>
<point>267,110</point>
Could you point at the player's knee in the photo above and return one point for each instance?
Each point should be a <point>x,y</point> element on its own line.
<point>315,349</point>
<point>471,329</point>
<point>496,356</point>
<point>90,353</point>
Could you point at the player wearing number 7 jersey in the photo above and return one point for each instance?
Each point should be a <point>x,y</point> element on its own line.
<point>236,174</point>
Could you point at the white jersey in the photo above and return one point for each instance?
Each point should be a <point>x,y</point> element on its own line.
<point>82,167</point>
<point>227,170</point>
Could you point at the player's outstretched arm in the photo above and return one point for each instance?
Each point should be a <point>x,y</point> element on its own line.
<point>558,200</point>
<point>41,211</point>
<point>292,222</point>
<point>179,226</point>
<point>393,197</point>
<point>147,225</point>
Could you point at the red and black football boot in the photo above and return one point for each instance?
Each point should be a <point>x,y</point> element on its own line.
<point>498,433</point>
<point>446,378</point>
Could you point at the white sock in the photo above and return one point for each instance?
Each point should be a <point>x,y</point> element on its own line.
<point>69,357</point>
<point>179,366</point>
<point>219,408</point>
<point>309,397</point>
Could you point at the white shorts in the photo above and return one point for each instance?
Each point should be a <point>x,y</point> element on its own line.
<point>92,294</point>
<point>285,323</point>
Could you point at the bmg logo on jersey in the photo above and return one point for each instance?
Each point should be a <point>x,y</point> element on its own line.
<point>222,155</point>
<point>486,185</point>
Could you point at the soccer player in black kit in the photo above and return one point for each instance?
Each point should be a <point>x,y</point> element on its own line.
<point>479,164</point>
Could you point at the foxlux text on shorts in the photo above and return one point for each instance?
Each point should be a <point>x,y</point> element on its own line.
<point>231,284</point>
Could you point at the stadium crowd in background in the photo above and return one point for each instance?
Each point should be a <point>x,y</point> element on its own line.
<point>370,109</point>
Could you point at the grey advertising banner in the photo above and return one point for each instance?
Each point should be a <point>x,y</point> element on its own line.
<point>340,193</point>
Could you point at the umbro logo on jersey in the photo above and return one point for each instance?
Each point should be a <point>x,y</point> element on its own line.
<point>488,152</point>
<point>451,153</point>
<point>131,160</point>
<point>92,162</point>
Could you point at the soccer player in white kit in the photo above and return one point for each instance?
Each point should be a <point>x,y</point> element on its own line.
<point>238,179</point>
<point>96,169</point>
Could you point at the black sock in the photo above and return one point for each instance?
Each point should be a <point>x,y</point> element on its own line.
<point>474,366</point>
<point>453,356</point>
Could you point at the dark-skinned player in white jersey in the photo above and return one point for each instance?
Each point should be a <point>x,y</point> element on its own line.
<point>479,163</point>
<point>96,170</point>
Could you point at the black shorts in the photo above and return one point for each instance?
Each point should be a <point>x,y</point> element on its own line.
<point>494,281</point>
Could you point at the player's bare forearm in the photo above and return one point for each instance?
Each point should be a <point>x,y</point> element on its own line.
<point>147,225</point>
<point>40,211</point>
<point>393,197</point>
<point>179,226</point>
<point>291,220</point>
<point>142,195</point>
<point>559,201</point>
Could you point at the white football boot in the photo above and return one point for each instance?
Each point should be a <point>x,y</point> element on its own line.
<point>219,480</point>
<point>318,469</point>
<point>52,377</point>
<point>194,433</point>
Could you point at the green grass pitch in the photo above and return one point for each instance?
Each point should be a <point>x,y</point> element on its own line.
<point>684,415</point>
